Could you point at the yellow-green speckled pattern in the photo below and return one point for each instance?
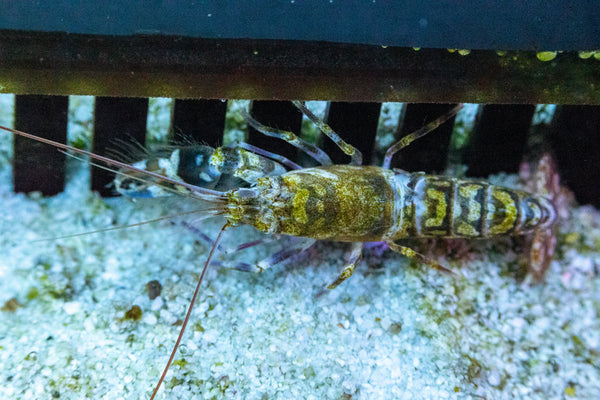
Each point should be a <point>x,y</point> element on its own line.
<point>361,204</point>
<point>338,202</point>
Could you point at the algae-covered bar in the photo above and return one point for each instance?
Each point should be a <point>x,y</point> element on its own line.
<point>340,50</point>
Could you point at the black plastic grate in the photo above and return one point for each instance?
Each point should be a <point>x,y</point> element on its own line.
<point>497,144</point>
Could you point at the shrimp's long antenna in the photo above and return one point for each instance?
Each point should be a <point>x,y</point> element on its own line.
<point>208,213</point>
<point>114,163</point>
<point>189,311</point>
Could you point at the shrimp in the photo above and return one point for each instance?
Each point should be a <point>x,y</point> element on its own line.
<point>354,203</point>
<point>222,169</point>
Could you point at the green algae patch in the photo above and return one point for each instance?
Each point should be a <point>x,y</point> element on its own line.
<point>134,313</point>
<point>11,305</point>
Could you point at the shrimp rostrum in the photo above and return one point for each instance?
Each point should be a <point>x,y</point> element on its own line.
<point>355,203</point>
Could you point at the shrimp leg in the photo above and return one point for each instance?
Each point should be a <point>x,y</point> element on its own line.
<point>298,246</point>
<point>418,257</point>
<point>355,257</point>
<point>348,149</point>
<point>310,149</point>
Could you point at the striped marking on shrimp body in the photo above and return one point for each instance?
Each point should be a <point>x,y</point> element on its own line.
<point>503,213</point>
<point>468,213</point>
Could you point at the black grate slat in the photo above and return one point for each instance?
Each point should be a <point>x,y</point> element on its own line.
<point>123,118</point>
<point>279,115</point>
<point>356,123</point>
<point>37,166</point>
<point>202,121</point>
<point>498,141</point>
<point>575,141</point>
<point>429,153</point>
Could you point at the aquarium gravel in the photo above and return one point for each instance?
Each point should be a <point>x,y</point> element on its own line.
<point>77,321</point>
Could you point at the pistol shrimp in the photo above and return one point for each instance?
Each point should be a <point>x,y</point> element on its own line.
<point>358,204</point>
<point>221,169</point>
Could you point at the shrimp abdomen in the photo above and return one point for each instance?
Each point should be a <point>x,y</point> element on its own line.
<point>442,206</point>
